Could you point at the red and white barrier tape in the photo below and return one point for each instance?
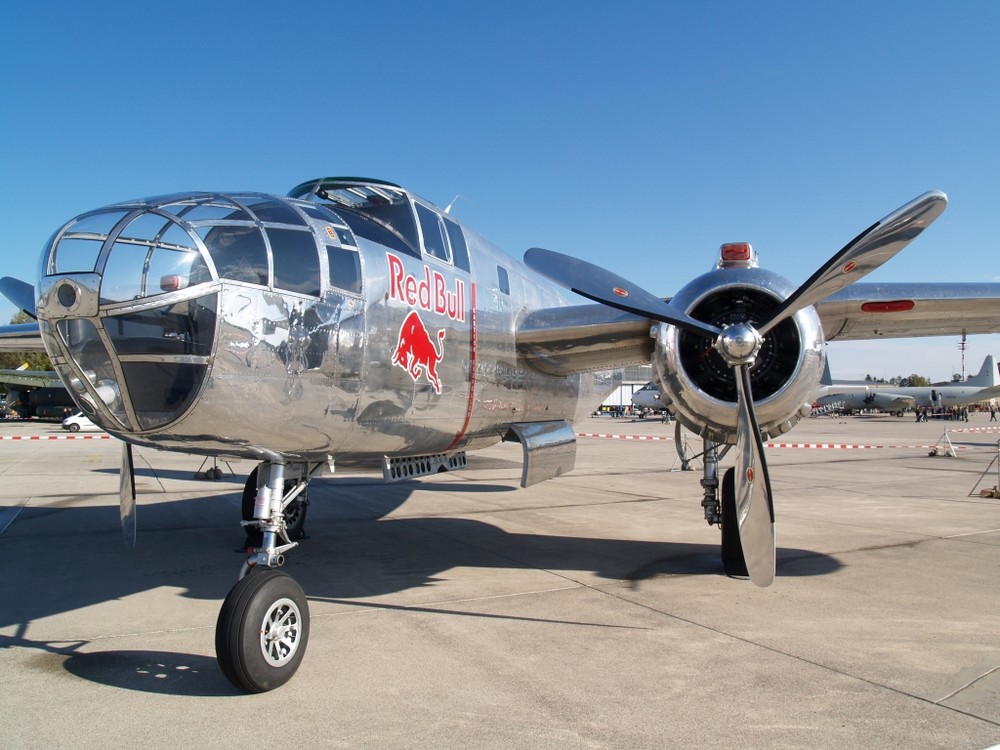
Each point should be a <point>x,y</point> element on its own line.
<point>71,436</point>
<point>824,446</point>
<point>622,437</point>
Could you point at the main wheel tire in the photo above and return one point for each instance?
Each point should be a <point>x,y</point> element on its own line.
<point>262,631</point>
<point>295,513</point>
<point>733,561</point>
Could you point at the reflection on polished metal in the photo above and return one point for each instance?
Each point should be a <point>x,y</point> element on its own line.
<point>353,319</point>
<point>184,306</point>
<point>739,344</point>
<point>695,374</point>
<point>549,449</point>
<point>754,505</point>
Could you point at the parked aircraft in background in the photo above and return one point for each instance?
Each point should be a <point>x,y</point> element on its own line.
<point>982,386</point>
<point>35,393</point>
<point>368,323</point>
<point>648,397</point>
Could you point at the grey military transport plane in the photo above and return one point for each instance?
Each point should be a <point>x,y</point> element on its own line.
<point>368,323</point>
<point>854,396</point>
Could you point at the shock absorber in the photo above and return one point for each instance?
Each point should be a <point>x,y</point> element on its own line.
<point>710,483</point>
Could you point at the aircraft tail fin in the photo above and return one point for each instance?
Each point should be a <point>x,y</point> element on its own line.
<point>988,374</point>
<point>827,378</point>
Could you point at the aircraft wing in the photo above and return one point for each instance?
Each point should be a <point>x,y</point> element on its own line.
<point>35,378</point>
<point>21,337</point>
<point>582,338</point>
<point>985,394</point>
<point>868,311</point>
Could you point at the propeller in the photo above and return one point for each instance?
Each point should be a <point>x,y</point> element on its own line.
<point>20,293</point>
<point>862,255</point>
<point>739,344</point>
<point>600,285</point>
<point>126,495</point>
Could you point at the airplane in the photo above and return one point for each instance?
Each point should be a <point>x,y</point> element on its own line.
<point>34,393</point>
<point>368,323</point>
<point>982,386</point>
<point>648,397</point>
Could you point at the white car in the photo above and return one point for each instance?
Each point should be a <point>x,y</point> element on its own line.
<point>77,422</point>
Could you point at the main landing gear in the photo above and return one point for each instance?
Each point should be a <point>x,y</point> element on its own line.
<point>720,508</point>
<point>263,627</point>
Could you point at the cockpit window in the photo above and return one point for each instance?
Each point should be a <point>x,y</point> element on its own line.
<point>238,252</point>
<point>74,254</point>
<point>134,271</point>
<point>296,263</point>
<point>80,245</point>
<point>213,210</point>
<point>384,207</point>
<point>459,249</point>
<point>268,209</point>
<point>345,269</point>
<point>147,226</point>
<point>430,225</point>
<point>123,272</point>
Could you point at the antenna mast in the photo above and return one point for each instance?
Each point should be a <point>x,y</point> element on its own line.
<point>962,346</point>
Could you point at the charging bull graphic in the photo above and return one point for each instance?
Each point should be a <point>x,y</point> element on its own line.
<point>415,349</point>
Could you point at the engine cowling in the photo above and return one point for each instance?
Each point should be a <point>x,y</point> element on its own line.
<point>700,384</point>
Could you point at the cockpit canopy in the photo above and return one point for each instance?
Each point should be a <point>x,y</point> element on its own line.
<point>387,214</point>
<point>130,292</point>
<point>161,245</point>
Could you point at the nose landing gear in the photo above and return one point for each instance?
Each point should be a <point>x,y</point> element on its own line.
<point>263,626</point>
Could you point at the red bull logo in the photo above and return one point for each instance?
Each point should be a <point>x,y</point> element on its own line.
<point>416,350</point>
<point>430,293</point>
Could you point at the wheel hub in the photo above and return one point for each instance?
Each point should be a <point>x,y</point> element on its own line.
<point>279,633</point>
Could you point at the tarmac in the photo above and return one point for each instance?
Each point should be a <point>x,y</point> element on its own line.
<point>461,611</point>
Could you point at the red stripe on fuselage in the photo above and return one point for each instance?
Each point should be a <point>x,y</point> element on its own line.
<point>474,335</point>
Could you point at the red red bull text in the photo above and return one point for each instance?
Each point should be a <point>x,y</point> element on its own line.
<point>416,350</point>
<point>430,293</point>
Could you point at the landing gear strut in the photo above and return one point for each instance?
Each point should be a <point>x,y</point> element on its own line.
<point>263,626</point>
<point>294,510</point>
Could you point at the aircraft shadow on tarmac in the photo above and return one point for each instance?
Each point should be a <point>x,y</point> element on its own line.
<point>352,551</point>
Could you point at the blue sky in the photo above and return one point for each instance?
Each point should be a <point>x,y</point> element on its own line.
<point>639,137</point>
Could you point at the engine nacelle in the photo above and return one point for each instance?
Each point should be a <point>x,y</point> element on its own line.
<point>701,384</point>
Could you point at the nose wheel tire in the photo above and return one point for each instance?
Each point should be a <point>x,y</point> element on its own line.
<point>262,631</point>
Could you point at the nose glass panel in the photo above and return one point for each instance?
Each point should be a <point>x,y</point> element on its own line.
<point>99,390</point>
<point>183,328</point>
<point>164,353</point>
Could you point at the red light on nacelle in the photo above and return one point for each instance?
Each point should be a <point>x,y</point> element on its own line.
<point>898,305</point>
<point>735,252</point>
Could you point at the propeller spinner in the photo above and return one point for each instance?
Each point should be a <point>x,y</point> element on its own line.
<point>739,343</point>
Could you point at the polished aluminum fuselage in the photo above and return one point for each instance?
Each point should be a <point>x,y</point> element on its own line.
<point>799,365</point>
<point>420,358</point>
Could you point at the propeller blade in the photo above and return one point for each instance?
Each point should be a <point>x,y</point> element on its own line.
<point>126,495</point>
<point>863,254</point>
<point>600,285</point>
<point>20,293</point>
<point>754,507</point>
